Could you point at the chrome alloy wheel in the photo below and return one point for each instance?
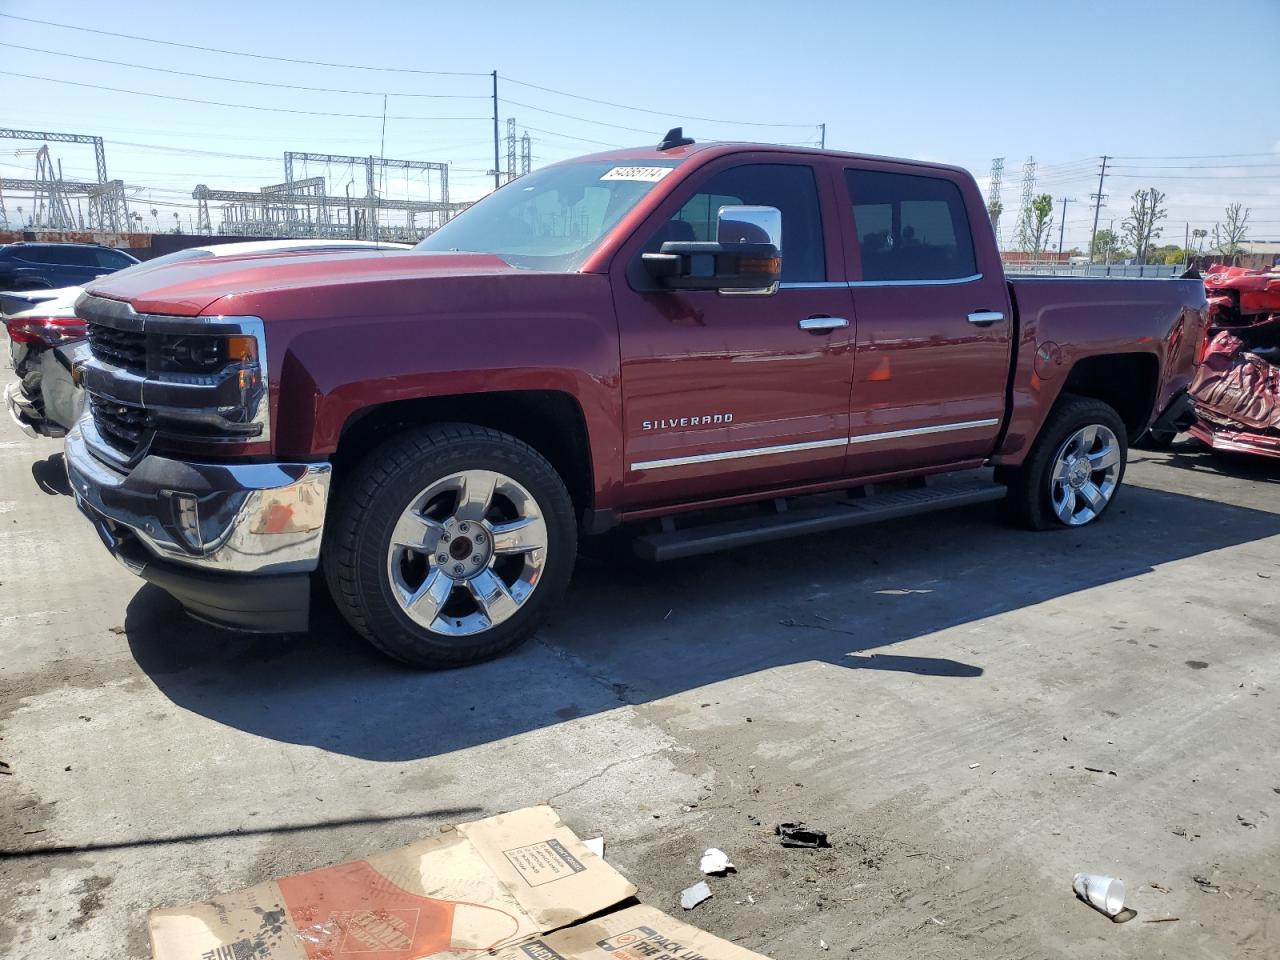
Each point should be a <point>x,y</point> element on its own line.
<point>1085,474</point>
<point>467,552</point>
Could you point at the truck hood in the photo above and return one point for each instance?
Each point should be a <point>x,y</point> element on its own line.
<point>188,288</point>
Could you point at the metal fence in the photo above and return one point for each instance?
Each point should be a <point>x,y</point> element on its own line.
<point>1051,269</point>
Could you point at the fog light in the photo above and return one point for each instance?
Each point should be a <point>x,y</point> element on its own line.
<point>186,515</point>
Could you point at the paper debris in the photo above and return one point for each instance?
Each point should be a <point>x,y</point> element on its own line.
<point>715,862</point>
<point>692,896</point>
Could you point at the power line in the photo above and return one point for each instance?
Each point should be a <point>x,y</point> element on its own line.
<point>656,113</point>
<point>566,136</point>
<point>570,116</point>
<point>255,83</point>
<point>241,53</point>
<point>221,103</point>
<point>353,66</point>
<point>1207,179</point>
<point>1203,156</point>
<point>1200,166</point>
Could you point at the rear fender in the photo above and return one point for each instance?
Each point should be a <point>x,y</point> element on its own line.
<point>1071,330</point>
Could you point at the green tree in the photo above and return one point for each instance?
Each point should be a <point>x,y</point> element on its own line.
<point>1169,254</point>
<point>1107,246</point>
<point>994,209</point>
<point>1142,225</point>
<point>1036,223</point>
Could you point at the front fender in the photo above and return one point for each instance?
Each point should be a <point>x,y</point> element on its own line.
<point>331,370</point>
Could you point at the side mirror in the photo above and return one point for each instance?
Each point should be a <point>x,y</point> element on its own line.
<point>746,256</point>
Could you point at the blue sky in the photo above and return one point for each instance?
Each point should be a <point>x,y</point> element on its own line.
<point>950,81</point>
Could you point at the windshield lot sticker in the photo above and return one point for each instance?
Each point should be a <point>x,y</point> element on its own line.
<point>544,862</point>
<point>643,174</point>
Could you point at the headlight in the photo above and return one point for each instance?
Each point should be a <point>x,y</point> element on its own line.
<point>203,353</point>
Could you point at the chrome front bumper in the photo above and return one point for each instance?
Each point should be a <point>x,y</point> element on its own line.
<point>254,519</point>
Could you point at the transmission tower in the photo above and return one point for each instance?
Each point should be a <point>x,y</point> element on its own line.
<point>302,207</point>
<point>1024,213</point>
<point>51,209</point>
<point>526,154</point>
<point>994,206</point>
<point>511,149</point>
<point>51,193</point>
<point>203,224</point>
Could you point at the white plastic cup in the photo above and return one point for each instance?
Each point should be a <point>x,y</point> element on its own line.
<point>1105,894</point>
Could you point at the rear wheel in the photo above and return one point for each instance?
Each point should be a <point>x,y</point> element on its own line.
<point>450,545</point>
<point>1074,468</point>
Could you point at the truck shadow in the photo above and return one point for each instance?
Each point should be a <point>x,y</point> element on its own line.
<point>1193,456</point>
<point>629,633</point>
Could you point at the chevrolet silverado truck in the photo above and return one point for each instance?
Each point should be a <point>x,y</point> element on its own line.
<point>715,344</point>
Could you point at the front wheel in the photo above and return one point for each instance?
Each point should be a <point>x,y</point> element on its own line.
<point>1074,468</point>
<point>450,544</point>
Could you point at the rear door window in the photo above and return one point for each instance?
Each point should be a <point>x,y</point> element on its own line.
<point>112,259</point>
<point>910,227</point>
<point>63,256</point>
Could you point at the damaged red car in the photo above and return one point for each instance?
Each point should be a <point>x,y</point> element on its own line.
<point>1236,391</point>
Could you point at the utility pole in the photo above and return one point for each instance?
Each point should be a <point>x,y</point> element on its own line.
<point>1062,226</point>
<point>1186,246</point>
<point>823,128</point>
<point>496,169</point>
<point>1097,205</point>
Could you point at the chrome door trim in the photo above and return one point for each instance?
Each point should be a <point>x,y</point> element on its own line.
<point>921,431</point>
<point>828,284</point>
<point>810,445</point>
<point>972,278</point>
<point>738,454</point>
<point>820,324</point>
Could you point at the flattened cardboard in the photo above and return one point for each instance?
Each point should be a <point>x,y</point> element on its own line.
<point>636,933</point>
<point>485,886</point>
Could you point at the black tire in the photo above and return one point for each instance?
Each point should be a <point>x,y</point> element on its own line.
<point>358,537</point>
<point>1029,501</point>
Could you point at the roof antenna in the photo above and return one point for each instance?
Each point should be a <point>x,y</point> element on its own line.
<point>675,138</point>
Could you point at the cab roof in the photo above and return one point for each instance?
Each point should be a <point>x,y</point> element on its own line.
<point>717,148</point>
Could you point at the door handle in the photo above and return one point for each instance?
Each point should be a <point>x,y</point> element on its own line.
<point>984,318</point>
<point>823,324</point>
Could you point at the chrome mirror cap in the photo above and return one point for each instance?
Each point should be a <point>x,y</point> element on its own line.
<point>749,224</point>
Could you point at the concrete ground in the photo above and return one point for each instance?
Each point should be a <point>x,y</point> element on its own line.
<point>974,713</point>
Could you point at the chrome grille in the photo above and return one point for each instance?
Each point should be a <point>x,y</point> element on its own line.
<point>120,348</point>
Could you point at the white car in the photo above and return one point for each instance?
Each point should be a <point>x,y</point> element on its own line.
<point>45,335</point>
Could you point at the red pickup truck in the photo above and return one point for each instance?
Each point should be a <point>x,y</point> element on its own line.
<point>718,344</point>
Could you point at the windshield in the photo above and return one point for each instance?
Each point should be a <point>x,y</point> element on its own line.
<point>551,219</point>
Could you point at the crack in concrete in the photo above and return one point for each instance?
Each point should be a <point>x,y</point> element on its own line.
<point>619,690</point>
<point>604,770</point>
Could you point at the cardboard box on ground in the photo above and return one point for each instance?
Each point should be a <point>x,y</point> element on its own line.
<point>515,886</point>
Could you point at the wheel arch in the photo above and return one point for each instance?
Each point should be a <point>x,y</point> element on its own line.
<point>552,422</point>
<point>1126,382</point>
